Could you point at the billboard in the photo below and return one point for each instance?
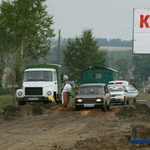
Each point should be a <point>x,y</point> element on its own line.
<point>141,31</point>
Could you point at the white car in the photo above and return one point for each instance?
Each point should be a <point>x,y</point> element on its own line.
<point>122,92</point>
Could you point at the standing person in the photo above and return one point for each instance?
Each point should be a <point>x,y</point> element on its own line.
<point>66,93</point>
<point>131,82</point>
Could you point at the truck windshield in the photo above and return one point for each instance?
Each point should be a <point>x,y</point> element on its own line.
<point>38,76</point>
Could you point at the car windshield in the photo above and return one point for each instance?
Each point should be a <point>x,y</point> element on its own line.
<point>116,88</point>
<point>91,90</point>
<point>38,76</point>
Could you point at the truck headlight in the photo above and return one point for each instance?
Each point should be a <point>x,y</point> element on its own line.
<point>49,93</point>
<point>19,93</point>
<point>79,100</point>
<point>98,100</point>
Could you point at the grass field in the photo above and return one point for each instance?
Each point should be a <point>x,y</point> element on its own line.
<point>5,101</point>
<point>143,96</point>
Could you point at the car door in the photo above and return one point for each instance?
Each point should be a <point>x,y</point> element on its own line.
<point>132,92</point>
<point>108,95</point>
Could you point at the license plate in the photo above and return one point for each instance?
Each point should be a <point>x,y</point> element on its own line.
<point>88,105</point>
<point>33,98</point>
<point>113,99</point>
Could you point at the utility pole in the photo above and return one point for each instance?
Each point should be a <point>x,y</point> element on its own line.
<point>58,47</point>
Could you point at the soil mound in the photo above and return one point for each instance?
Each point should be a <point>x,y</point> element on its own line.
<point>140,132</point>
<point>33,109</point>
<point>136,111</point>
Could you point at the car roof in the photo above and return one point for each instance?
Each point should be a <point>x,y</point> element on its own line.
<point>92,84</point>
<point>123,81</point>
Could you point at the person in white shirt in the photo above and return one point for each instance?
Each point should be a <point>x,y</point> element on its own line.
<point>66,93</point>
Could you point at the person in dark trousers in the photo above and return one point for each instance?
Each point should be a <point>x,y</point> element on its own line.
<point>132,83</point>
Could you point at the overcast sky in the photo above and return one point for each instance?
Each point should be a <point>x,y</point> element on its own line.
<point>107,18</point>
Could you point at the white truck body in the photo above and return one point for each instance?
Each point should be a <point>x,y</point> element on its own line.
<point>39,85</point>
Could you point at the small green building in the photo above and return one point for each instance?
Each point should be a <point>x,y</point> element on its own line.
<point>99,75</point>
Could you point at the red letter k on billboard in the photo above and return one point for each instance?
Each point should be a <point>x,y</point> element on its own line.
<point>144,21</point>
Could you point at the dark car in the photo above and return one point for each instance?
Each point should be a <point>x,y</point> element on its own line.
<point>93,95</point>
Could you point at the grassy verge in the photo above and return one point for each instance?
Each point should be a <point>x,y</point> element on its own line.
<point>5,101</point>
<point>143,96</point>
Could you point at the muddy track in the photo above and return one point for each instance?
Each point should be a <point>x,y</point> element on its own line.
<point>59,128</point>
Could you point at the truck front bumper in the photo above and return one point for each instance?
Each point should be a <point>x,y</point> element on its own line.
<point>96,105</point>
<point>35,99</point>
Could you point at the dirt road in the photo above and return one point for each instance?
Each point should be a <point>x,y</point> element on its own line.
<point>38,126</point>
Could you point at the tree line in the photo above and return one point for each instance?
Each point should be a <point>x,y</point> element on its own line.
<point>100,42</point>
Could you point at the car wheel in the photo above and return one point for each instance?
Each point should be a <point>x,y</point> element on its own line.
<point>104,107</point>
<point>127,102</point>
<point>77,108</point>
<point>109,106</point>
<point>124,101</point>
<point>134,101</point>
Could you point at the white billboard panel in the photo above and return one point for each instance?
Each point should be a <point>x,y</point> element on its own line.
<point>141,31</point>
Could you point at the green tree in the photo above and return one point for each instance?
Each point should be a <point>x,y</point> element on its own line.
<point>113,56</point>
<point>141,67</point>
<point>82,54</point>
<point>124,65</point>
<point>26,28</point>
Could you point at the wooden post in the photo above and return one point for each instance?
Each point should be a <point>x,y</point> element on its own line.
<point>58,47</point>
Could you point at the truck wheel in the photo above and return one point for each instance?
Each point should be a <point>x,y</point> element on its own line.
<point>55,99</point>
<point>104,107</point>
<point>21,103</point>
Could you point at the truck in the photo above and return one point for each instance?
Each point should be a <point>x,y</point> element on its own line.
<point>41,83</point>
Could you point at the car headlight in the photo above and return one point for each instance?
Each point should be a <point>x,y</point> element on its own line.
<point>49,93</point>
<point>79,100</point>
<point>98,100</point>
<point>19,93</point>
